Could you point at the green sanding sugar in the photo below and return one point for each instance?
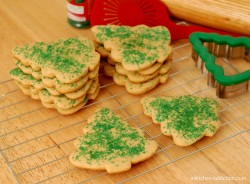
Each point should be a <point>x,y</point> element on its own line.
<point>138,44</point>
<point>20,75</point>
<point>66,55</point>
<point>134,56</point>
<point>16,72</point>
<point>106,32</point>
<point>109,137</point>
<point>190,116</point>
<point>45,93</point>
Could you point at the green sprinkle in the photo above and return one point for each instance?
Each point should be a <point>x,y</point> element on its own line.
<point>136,45</point>
<point>189,116</point>
<point>109,137</point>
<point>70,56</point>
<point>16,72</point>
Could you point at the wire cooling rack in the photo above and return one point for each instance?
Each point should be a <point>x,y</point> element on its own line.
<point>36,142</point>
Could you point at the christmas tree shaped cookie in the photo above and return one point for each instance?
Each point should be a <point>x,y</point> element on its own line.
<point>186,118</point>
<point>110,143</point>
<point>136,48</point>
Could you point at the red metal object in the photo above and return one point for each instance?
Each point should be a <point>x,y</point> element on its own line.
<point>148,12</point>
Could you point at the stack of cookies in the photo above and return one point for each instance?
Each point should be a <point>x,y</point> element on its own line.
<point>62,74</point>
<point>138,58</point>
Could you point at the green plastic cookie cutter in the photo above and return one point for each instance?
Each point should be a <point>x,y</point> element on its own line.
<point>208,46</point>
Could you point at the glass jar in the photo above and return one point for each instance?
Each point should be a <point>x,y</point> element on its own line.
<point>79,12</point>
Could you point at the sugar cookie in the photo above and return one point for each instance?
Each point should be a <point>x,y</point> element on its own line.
<point>108,142</point>
<point>186,118</point>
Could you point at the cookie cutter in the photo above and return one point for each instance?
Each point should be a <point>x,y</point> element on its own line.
<point>207,46</point>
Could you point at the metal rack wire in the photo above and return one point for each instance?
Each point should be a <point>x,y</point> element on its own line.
<point>13,139</point>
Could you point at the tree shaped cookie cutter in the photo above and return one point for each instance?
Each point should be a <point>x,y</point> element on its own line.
<point>208,46</point>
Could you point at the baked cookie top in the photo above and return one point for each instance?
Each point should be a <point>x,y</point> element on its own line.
<point>108,142</point>
<point>136,47</point>
<point>67,59</point>
<point>186,118</point>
